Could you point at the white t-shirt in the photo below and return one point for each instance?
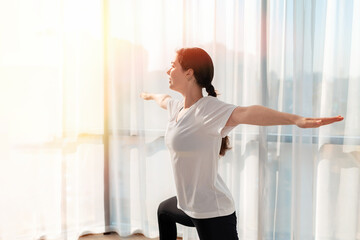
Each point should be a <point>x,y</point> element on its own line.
<point>194,143</point>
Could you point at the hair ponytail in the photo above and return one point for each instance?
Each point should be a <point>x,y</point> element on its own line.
<point>200,62</point>
<point>225,145</point>
<point>225,142</point>
<point>211,90</point>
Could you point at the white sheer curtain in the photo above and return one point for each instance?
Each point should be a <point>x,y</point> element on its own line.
<point>300,57</point>
<point>295,56</point>
<point>51,119</point>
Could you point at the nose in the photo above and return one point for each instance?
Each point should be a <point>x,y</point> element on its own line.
<point>168,72</point>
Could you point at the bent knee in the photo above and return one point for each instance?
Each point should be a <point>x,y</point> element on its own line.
<point>166,206</point>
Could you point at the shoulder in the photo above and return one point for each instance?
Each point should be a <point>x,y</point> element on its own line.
<point>173,105</point>
<point>173,102</point>
<point>212,102</point>
<point>208,100</point>
<point>212,105</point>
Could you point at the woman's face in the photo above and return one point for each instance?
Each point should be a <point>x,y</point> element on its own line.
<point>177,76</point>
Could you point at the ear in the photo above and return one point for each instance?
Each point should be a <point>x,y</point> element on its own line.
<point>189,73</point>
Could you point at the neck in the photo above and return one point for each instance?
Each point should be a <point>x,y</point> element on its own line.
<point>191,97</point>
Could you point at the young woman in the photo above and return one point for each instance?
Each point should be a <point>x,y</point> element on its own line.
<point>196,138</point>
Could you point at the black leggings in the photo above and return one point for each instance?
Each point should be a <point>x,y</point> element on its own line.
<point>223,228</point>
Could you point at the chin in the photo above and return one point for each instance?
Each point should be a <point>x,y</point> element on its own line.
<point>172,88</point>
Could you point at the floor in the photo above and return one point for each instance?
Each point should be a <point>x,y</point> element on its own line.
<point>115,236</point>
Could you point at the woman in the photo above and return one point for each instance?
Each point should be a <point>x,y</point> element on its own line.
<point>196,138</point>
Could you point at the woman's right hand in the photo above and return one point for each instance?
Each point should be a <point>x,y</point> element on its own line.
<point>158,98</point>
<point>146,96</point>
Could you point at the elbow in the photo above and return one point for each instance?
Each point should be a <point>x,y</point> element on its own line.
<point>163,103</point>
<point>238,116</point>
<point>164,98</point>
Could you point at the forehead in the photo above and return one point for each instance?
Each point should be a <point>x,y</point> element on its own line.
<point>175,60</point>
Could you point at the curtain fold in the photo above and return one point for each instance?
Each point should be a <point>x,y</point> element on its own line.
<point>288,55</point>
<point>51,119</point>
<point>299,57</point>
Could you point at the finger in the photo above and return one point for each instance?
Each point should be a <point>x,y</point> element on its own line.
<point>328,121</point>
<point>143,94</point>
<point>327,118</point>
<point>337,117</point>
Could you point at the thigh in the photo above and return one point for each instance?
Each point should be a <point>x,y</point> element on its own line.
<point>170,209</point>
<point>217,228</point>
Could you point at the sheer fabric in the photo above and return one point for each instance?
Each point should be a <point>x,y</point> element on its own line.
<point>300,57</point>
<point>51,119</point>
<point>293,56</point>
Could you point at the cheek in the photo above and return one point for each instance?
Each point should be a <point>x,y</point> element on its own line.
<point>173,74</point>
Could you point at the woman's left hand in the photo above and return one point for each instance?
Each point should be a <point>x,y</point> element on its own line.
<point>316,122</point>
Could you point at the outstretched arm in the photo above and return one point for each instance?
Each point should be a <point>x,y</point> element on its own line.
<point>160,99</point>
<point>263,116</point>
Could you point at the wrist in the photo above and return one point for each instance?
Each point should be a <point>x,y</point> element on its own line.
<point>296,119</point>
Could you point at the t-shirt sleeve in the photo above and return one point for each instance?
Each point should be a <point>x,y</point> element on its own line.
<point>215,115</point>
<point>172,106</point>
